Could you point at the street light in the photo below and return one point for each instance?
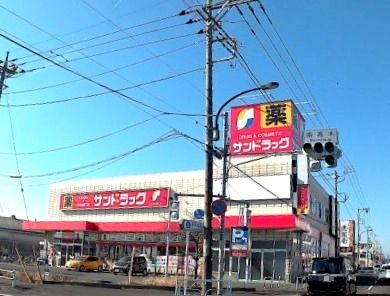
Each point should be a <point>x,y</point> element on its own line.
<point>267,86</point>
<point>225,150</point>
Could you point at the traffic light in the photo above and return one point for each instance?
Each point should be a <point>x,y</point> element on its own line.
<point>322,145</point>
<point>174,207</point>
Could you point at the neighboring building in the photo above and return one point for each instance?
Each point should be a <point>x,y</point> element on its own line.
<point>12,237</point>
<point>292,218</point>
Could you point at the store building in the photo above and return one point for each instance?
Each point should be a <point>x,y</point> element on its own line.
<point>110,216</point>
<point>289,217</point>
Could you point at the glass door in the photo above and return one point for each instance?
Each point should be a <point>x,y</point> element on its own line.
<point>268,265</point>
<point>256,265</point>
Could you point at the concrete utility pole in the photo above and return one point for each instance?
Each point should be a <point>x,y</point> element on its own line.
<point>208,196</point>
<point>225,175</point>
<point>7,70</point>
<point>3,74</point>
<point>360,210</point>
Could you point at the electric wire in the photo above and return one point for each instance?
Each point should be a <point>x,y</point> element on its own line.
<point>354,178</point>
<point>266,51</point>
<point>126,97</point>
<point>294,63</point>
<point>165,137</point>
<point>65,100</point>
<point>105,72</point>
<point>63,54</point>
<point>116,50</point>
<point>17,161</point>
<point>144,46</point>
<point>96,62</point>
<point>97,36</point>
<point>275,48</point>
<point>85,142</point>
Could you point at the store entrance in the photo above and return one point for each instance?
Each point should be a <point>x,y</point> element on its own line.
<point>264,265</point>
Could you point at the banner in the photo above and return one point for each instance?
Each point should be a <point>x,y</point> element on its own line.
<point>303,197</point>
<point>266,128</point>
<point>347,235</point>
<point>129,199</point>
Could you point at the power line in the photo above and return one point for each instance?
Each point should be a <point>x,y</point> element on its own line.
<point>87,141</point>
<point>17,161</point>
<point>81,75</point>
<point>63,54</point>
<point>106,92</point>
<point>147,49</point>
<point>165,137</point>
<point>96,62</point>
<point>101,35</point>
<point>265,50</point>
<point>105,72</point>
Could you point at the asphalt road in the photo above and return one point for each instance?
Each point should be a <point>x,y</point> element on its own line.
<point>68,290</point>
<point>106,277</point>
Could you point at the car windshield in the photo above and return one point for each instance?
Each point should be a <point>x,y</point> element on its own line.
<point>123,260</point>
<point>327,265</point>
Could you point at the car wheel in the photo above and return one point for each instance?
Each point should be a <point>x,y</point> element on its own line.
<point>100,268</point>
<point>82,268</point>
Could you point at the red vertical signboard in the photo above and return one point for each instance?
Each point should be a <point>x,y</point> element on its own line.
<point>303,195</point>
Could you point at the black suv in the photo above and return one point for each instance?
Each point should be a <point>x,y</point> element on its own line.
<point>331,275</point>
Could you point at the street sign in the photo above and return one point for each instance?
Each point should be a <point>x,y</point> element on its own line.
<point>240,236</point>
<point>239,253</point>
<point>239,245</point>
<point>198,214</point>
<point>192,225</point>
<point>218,207</point>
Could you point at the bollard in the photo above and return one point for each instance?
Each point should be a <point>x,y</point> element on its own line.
<point>278,285</point>
<point>296,284</point>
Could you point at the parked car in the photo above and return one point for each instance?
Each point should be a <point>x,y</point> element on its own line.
<point>366,276</point>
<point>384,275</point>
<point>331,275</point>
<point>140,265</point>
<point>85,263</point>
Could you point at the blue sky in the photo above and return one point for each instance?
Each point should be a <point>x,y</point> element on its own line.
<point>340,48</point>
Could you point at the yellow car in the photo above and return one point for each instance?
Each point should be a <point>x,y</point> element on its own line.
<point>85,263</point>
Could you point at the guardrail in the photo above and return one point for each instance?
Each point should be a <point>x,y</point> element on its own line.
<point>8,275</point>
<point>193,287</point>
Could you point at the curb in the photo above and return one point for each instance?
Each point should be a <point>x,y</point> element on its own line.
<point>118,286</point>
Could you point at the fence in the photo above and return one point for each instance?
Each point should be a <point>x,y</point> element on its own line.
<point>8,275</point>
<point>193,287</point>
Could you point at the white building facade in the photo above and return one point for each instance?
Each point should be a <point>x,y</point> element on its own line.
<point>284,232</point>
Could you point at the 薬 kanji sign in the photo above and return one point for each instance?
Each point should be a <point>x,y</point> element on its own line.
<point>266,128</point>
<point>128,199</point>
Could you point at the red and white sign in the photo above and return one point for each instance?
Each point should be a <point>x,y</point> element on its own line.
<point>239,253</point>
<point>266,128</point>
<point>347,234</point>
<point>129,199</point>
<point>303,196</point>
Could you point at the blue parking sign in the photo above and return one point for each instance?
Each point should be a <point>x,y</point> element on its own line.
<point>240,236</point>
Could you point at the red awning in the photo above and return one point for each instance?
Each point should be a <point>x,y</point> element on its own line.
<point>277,222</point>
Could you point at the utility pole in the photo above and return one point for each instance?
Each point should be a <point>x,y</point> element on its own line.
<point>208,197</point>
<point>336,177</point>
<point>7,70</point>
<point>360,210</point>
<point>225,175</point>
<point>3,73</point>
